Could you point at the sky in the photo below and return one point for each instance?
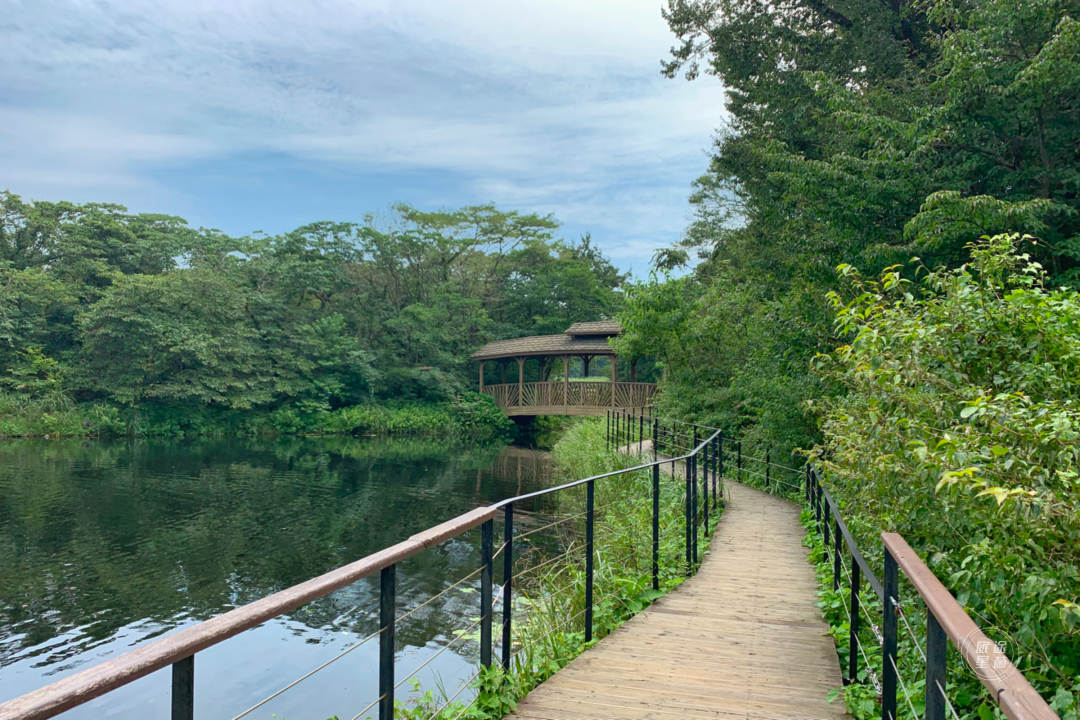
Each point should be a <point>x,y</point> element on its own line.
<point>247,116</point>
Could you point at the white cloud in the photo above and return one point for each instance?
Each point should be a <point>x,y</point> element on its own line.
<point>554,105</point>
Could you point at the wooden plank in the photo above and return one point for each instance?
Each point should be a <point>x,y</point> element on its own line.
<point>741,639</point>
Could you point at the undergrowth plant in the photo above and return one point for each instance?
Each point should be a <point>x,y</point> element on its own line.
<point>959,428</point>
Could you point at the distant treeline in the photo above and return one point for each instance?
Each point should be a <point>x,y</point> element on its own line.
<point>149,320</point>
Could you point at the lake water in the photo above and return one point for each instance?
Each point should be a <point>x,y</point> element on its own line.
<point>105,545</point>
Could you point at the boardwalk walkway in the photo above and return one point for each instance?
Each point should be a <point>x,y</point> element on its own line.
<point>741,639</point>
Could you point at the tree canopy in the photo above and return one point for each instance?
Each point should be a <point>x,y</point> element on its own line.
<point>145,311</point>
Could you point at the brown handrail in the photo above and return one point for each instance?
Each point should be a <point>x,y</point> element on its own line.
<point>1013,693</point>
<point>82,687</point>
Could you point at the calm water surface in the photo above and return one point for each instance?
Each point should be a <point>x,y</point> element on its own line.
<point>105,545</point>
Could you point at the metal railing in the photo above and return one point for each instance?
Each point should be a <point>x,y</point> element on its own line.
<point>945,618</point>
<point>178,650</point>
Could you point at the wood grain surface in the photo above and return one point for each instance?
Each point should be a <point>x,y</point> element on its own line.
<point>741,639</point>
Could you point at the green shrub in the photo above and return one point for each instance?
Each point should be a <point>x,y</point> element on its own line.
<point>960,430</point>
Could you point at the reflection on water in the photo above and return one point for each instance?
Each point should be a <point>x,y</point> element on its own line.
<point>107,544</point>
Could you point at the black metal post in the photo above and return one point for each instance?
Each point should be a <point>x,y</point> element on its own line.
<point>817,501</point>
<point>705,490</point>
<point>487,531</point>
<point>836,556</point>
<point>693,486</point>
<point>641,429</point>
<point>508,578</point>
<point>853,631</point>
<point>738,461</point>
<point>936,648</point>
<point>825,530</point>
<point>590,491</point>
<point>689,521</point>
<point>891,585</point>
<point>607,432</point>
<point>768,467</point>
<point>719,466</point>
<point>655,438</point>
<point>183,689</point>
<point>655,527</point>
<point>386,642</point>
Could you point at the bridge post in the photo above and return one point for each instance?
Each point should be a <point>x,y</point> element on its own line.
<point>693,484</point>
<point>836,554</point>
<point>387,616</point>
<point>689,521</point>
<point>521,381</point>
<point>487,531</point>
<point>655,441</point>
<point>655,527</point>
<point>825,530</point>
<point>614,378</point>
<point>891,586</point>
<point>705,489</point>
<point>183,689</point>
<point>589,512</point>
<point>566,383</point>
<point>853,634</point>
<point>936,649</point>
<point>508,576</point>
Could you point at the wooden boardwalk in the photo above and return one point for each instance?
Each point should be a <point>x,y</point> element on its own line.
<point>741,639</point>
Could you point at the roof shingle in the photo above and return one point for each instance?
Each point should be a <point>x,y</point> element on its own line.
<point>544,345</point>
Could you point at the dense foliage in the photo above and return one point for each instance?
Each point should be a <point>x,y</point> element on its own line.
<point>960,430</point>
<point>858,132</point>
<point>193,328</point>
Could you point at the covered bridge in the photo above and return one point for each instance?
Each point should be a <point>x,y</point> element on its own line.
<point>589,394</point>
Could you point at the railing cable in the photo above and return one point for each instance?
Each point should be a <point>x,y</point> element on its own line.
<point>296,682</point>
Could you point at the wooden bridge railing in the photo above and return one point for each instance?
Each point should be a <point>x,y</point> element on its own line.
<point>594,396</point>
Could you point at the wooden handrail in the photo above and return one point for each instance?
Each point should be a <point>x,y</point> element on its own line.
<point>1013,693</point>
<point>82,687</point>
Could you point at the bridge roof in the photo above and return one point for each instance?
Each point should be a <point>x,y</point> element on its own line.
<point>561,344</point>
<point>597,327</point>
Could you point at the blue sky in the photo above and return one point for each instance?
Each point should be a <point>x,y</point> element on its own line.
<point>245,115</point>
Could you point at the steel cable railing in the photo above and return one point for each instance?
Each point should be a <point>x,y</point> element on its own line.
<point>697,456</point>
<point>945,621</point>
